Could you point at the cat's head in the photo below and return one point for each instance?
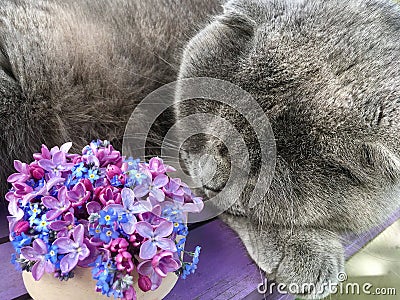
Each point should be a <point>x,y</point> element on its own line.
<point>231,49</point>
<point>320,70</point>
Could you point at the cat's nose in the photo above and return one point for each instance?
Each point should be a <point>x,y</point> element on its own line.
<point>214,171</point>
<point>207,166</point>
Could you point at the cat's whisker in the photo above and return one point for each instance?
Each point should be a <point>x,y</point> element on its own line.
<point>148,148</point>
<point>175,68</point>
<point>163,146</point>
<point>131,72</point>
<point>155,139</point>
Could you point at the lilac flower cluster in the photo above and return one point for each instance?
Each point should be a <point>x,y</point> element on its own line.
<point>101,210</point>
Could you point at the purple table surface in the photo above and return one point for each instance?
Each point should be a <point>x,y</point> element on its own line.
<point>3,220</point>
<point>224,272</point>
<point>11,285</point>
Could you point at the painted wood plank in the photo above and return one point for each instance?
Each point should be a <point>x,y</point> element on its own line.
<point>11,285</point>
<point>224,272</point>
<point>3,220</point>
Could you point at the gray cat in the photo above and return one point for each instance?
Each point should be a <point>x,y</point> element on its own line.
<point>326,74</point>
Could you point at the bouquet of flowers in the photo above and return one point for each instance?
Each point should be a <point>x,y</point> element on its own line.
<point>101,210</point>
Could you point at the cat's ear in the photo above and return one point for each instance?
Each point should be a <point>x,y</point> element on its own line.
<point>239,22</point>
<point>236,18</point>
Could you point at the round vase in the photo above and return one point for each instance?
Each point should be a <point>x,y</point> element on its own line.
<point>82,287</point>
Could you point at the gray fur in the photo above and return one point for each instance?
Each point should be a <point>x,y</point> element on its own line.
<point>75,70</point>
<point>325,72</point>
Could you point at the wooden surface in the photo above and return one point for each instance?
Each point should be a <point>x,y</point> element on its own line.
<point>3,223</point>
<point>82,287</point>
<point>11,285</point>
<point>225,271</point>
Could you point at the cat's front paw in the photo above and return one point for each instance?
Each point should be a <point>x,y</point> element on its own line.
<point>304,261</point>
<point>311,266</point>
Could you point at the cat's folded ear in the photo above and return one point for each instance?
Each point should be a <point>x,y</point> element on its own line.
<point>238,22</point>
<point>249,14</point>
<point>236,17</point>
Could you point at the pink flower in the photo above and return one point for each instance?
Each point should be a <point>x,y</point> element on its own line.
<point>152,217</point>
<point>21,227</point>
<point>21,189</point>
<point>45,154</point>
<point>134,240</point>
<point>63,148</point>
<point>23,175</point>
<point>58,163</point>
<point>107,195</point>
<point>88,184</point>
<point>118,245</point>
<point>129,294</point>
<point>144,283</point>
<point>77,160</point>
<point>156,167</point>
<point>113,170</point>
<point>65,227</point>
<point>78,195</point>
<point>124,261</point>
<point>107,155</point>
<point>164,263</point>
<point>27,193</point>
<point>158,268</point>
<point>93,207</point>
<point>36,171</point>
<point>110,196</point>
<point>91,160</point>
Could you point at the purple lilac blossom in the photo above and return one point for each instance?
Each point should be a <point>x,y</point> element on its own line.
<point>58,163</point>
<point>155,238</point>
<point>64,227</point>
<point>129,208</point>
<point>158,267</point>
<point>152,188</point>
<point>38,253</point>
<point>57,205</point>
<point>78,195</point>
<point>75,249</point>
